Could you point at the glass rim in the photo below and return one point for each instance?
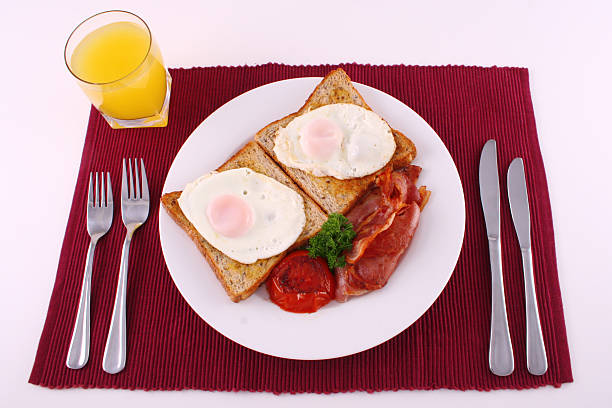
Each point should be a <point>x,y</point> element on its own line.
<point>126,75</point>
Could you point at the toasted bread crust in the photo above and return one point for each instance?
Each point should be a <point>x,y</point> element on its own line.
<point>241,280</point>
<point>331,194</point>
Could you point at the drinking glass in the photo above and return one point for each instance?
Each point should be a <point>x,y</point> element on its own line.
<point>120,68</point>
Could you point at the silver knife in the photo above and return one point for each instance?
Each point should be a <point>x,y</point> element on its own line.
<point>501,359</point>
<point>519,206</point>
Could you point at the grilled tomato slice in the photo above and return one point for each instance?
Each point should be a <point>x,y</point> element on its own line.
<point>301,284</point>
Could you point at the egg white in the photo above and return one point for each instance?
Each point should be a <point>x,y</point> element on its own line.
<point>367,142</point>
<point>279,216</point>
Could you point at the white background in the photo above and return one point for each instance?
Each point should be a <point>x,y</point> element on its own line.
<point>567,47</point>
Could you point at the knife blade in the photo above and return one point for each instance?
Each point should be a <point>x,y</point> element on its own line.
<point>519,202</point>
<point>537,363</point>
<point>489,187</point>
<point>501,359</point>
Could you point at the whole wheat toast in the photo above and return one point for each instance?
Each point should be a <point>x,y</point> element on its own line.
<point>241,280</point>
<point>331,194</point>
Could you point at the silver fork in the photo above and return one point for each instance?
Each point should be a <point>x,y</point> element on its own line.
<point>99,220</point>
<point>134,212</point>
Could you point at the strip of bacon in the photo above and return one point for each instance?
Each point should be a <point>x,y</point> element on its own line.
<point>393,191</point>
<point>385,221</point>
<point>380,220</point>
<point>380,259</point>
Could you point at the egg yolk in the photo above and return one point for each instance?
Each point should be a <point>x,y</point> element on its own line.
<point>230,215</point>
<point>320,138</point>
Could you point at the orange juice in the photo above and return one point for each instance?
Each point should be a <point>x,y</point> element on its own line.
<point>122,72</point>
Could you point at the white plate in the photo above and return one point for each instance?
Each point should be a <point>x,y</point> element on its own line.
<point>338,329</point>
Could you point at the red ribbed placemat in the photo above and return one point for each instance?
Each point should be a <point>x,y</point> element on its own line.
<point>170,347</point>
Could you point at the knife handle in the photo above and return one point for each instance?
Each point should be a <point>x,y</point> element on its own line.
<point>501,359</point>
<point>537,364</point>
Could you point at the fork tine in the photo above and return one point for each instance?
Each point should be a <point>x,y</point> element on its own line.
<point>90,195</point>
<point>131,179</point>
<point>124,185</point>
<point>136,182</point>
<point>102,192</point>
<point>145,184</point>
<point>109,190</point>
<point>97,193</point>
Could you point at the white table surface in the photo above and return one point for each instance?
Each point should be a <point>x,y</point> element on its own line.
<point>567,47</point>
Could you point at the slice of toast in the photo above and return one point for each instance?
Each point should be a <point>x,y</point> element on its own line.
<point>331,194</point>
<point>241,280</point>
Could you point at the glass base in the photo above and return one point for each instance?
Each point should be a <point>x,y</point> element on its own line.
<point>158,120</point>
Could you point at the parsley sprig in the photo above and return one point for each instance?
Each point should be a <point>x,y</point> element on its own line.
<point>336,236</point>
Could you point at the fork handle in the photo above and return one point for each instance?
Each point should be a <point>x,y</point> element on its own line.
<point>115,351</point>
<point>78,353</point>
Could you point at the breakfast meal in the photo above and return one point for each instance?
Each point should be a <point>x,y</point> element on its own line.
<point>341,140</point>
<point>240,280</point>
<point>320,206</point>
<point>333,195</point>
<point>223,207</point>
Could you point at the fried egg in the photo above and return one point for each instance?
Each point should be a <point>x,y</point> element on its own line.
<point>244,214</point>
<point>341,140</point>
